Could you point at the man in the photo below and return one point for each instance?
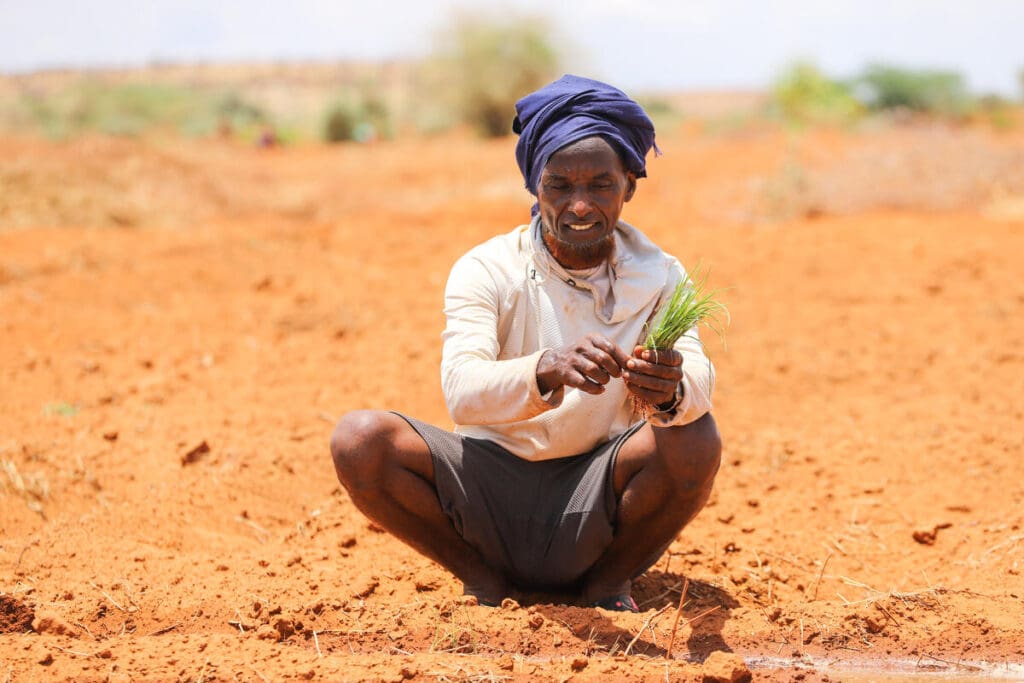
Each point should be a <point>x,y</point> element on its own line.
<point>552,479</point>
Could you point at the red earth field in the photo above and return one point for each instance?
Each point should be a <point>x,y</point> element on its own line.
<point>181,323</point>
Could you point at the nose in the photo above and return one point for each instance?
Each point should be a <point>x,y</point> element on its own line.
<point>579,206</point>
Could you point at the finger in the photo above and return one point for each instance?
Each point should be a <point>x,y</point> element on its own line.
<point>672,373</point>
<point>669,357</point>
<point>617,356</point>
<point>650,383</point>
<point>602,359</point>
<point>614,357</point>
<point>636,366</point>
<point>579,381</point>
<point>633,362</point>
<point>592,371</point>
<point>591,387</point>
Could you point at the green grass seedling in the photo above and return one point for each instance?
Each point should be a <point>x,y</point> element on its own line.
<point>690,304</point>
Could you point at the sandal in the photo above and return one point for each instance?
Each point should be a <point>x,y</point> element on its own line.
<point>618,603</point>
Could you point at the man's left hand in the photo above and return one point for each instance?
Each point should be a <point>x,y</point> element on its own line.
<point>653,376</point>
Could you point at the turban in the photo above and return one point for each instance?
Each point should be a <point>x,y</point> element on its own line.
<point>571,109</point>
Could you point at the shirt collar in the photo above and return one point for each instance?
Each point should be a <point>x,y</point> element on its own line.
<point>639,268</point>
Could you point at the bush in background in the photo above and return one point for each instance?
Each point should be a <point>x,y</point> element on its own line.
<point>133,109</point>
<point>122,109</point>
<point>340,122</point>
<point>483,65</point>
<point>234,113</point>
<point>886,87</point>
<point>360,114</point>
<point>803,94</point>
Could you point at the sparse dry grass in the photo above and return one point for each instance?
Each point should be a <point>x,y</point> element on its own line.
<point>33,487</point>
<point>874,594</point>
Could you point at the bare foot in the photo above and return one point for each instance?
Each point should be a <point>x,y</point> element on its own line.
<point>488,593</point>
<point>593,594</point>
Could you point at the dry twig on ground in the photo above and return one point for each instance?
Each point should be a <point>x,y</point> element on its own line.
<point>679,611</point>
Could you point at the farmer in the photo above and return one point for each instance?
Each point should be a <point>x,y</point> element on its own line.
<point>552,479</point>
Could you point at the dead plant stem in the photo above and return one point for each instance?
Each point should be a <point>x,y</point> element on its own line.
<point>675,623</point>
<point>165,629</point>
<point>959,665</point>
<point>817,583</point>
<point>643,628</point>
<point>107,596</point>
<point>85,628</point>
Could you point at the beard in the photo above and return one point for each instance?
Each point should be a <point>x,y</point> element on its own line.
<point>579,256</point>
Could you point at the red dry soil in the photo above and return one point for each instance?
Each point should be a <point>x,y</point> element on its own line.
<point>181,322</point>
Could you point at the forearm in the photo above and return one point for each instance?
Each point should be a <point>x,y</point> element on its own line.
<point>481,391</point>
<point>479,387</point>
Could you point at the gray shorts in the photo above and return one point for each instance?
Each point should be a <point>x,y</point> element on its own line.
<point>543,524</point>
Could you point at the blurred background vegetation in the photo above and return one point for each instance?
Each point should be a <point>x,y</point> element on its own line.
<point>480,66</point>
<point>804,95</point>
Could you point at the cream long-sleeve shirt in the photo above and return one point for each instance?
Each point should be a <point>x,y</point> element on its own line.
<point>507,301</point>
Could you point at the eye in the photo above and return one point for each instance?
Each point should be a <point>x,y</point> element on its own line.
<point>556,186</point>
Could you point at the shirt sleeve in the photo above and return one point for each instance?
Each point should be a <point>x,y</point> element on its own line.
<point>478,388</point>
<point>697,383</point>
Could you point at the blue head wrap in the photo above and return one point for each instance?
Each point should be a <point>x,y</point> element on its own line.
<point>571,109</point>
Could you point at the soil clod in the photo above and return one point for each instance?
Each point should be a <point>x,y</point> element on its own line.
<point>195,454</point>
<point>725,667</point>
<point>15,615</point>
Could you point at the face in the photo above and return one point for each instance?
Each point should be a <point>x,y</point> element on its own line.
<point>581,193</point>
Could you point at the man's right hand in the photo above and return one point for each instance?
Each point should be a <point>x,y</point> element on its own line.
<point>586,365</point>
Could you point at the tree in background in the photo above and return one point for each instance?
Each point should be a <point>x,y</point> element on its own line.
<point>484,64</point>
<point>234,113</point>
<point>803,94</point>
<point>883,86</point>
<point>360,114</point>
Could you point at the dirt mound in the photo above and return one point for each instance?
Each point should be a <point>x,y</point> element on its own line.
<point>15,615</point>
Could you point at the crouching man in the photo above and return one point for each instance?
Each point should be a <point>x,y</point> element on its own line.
<point>552,479</point>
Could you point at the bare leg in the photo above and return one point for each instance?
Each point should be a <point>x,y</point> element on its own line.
<point>387,469</point>
<point>662,478</point>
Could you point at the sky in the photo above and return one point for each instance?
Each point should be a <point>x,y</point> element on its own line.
<point>635,44</point>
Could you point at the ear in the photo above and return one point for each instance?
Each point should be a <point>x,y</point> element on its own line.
<point>631,179</point>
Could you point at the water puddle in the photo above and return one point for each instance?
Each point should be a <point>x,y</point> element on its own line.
<point>864,669</point>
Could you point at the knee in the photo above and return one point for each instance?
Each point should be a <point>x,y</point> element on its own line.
<point>359,447</point>
<point>696,453</point>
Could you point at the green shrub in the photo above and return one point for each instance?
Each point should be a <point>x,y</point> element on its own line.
<point>361,115</point>
<point>803,94</point>
<point>483,65</point>
<point>884,87</point>
<point>340,122</point>
<point>233,110</point>
<point>132,109</point>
